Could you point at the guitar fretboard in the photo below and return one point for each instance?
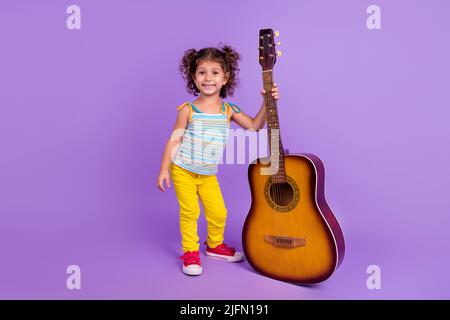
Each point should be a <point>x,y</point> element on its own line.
<point>273,129</point>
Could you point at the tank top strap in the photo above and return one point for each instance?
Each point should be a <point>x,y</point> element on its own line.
<point>190,109</point>
<point>195,108</point>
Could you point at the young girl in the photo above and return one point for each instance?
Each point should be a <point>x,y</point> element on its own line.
<point>203,128</point>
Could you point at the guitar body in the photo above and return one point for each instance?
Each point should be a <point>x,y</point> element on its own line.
<point>290,233</point>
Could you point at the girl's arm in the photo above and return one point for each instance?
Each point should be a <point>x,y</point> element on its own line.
<point>259,120</point>
<point>171,146</point>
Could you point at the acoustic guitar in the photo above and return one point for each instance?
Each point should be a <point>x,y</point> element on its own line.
<point>290,233</point>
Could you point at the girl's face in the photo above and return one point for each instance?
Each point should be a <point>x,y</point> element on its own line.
<point>209,77</point>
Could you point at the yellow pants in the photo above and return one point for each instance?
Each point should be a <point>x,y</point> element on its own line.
<point>188,186</point>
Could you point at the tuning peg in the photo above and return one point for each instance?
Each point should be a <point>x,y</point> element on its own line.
<point>277,33</point>
<point>278,43</point>
<point>279,53</point>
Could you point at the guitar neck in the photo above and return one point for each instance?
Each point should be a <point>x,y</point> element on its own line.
<point>273,128</point>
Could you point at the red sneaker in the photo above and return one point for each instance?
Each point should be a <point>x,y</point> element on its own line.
<point>224,252</point>
<point>191,263</point>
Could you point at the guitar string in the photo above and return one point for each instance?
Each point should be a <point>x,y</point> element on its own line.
<point>278,182</point>
<point>274,184</point>
<point>277,185</point>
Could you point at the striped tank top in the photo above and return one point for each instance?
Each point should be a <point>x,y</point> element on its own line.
<point>204,139</point>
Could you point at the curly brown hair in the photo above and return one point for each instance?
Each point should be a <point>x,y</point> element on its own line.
<point>224,54</point>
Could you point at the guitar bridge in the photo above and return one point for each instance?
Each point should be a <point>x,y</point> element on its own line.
<point>285,242</point>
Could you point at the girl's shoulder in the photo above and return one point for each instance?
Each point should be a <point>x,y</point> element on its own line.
<point>185,110</point>
<point>185,104</point>
<point>231,109</point>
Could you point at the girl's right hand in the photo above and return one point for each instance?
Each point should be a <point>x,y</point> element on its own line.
<point>163,176</point>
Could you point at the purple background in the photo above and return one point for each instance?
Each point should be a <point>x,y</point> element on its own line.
<point>85,115</point>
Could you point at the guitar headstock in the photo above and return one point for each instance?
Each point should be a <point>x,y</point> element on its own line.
<point>267,53</point>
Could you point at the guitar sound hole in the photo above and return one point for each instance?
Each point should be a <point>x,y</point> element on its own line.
<point>281,194</point>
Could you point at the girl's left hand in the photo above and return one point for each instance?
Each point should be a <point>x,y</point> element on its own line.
<point>274,92</point>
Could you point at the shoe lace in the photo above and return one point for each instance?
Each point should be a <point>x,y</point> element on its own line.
<point>191,257</point>
<point>227,249</point>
